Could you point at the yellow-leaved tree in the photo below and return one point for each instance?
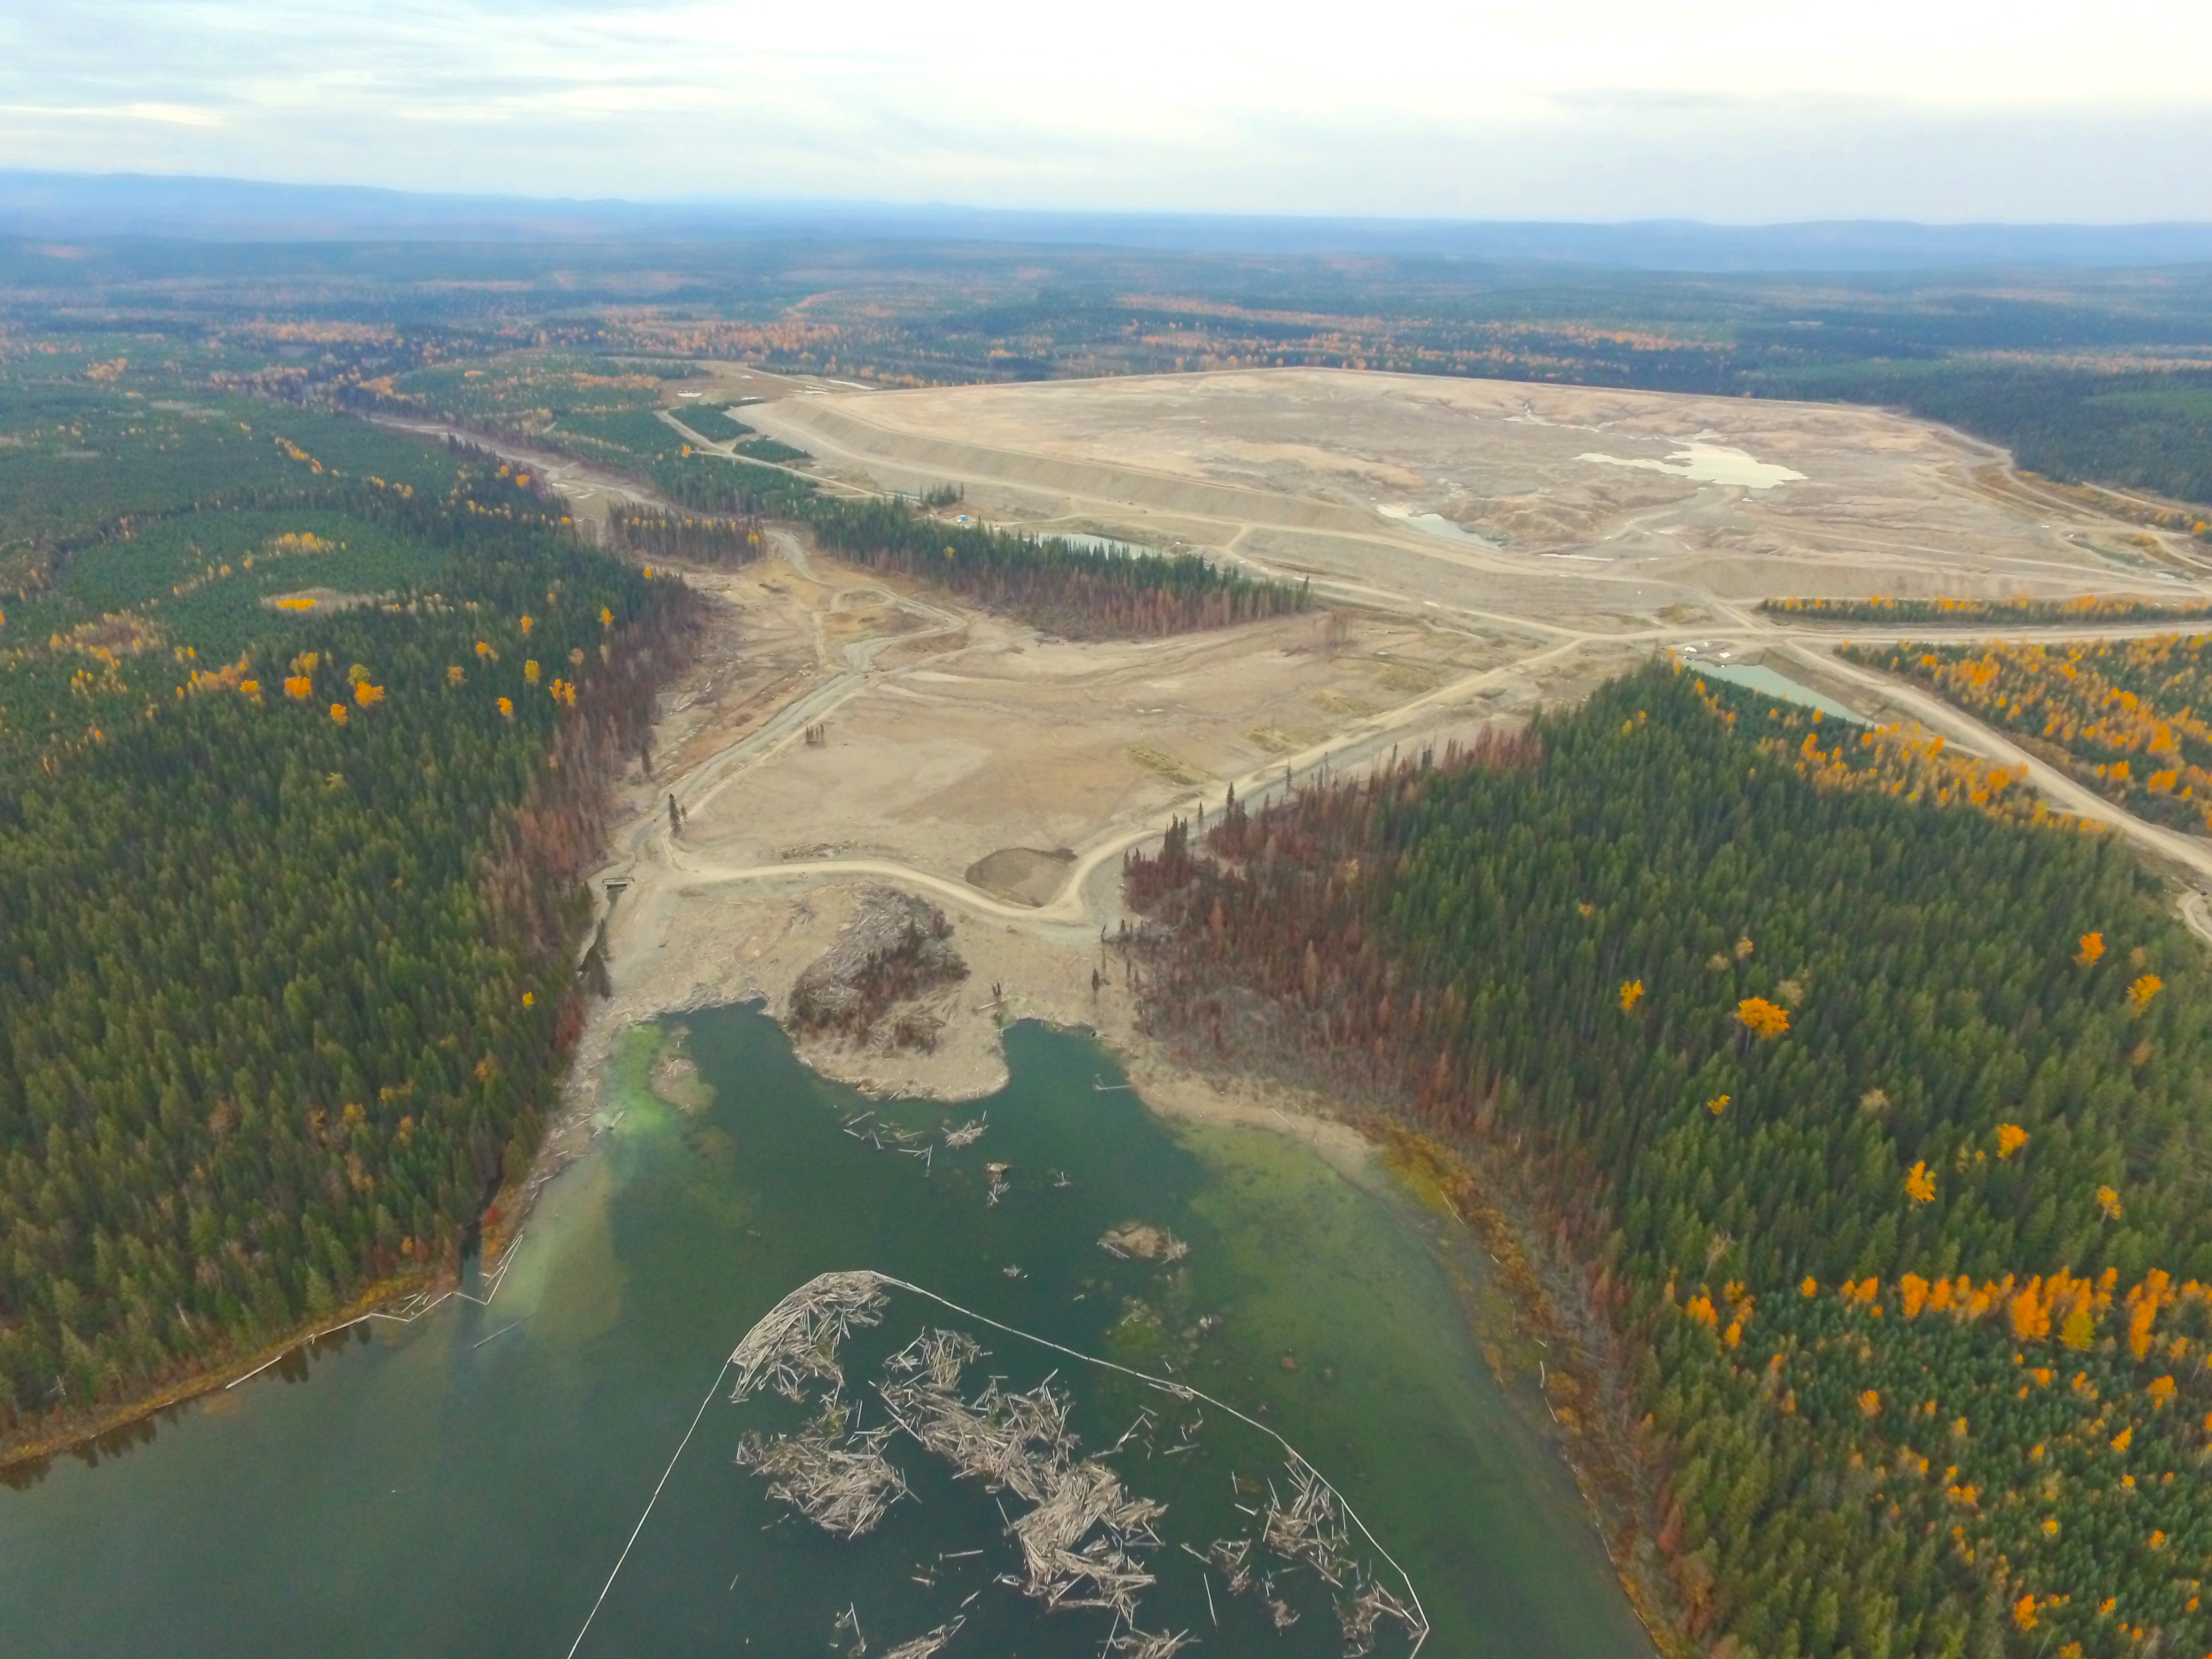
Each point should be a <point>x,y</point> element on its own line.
<point>1761,1017</point>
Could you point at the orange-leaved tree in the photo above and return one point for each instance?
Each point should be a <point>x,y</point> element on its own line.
<point>1761,1017</point>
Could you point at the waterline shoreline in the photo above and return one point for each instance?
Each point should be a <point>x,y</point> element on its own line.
<point>539,1447</point>
<point>1169,1094</point>
<point>219,1377</point>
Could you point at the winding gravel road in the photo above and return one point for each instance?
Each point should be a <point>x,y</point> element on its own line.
<point>1088,899</point>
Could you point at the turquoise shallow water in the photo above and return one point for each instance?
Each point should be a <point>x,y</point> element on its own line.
<point>1759,678</point>
<point>463,1486</point>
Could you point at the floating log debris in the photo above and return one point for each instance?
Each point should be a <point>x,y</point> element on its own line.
<point>1139,1645</point>
<point>1145,1419</point>
<point>798,1337</point>
<point>1359,1614</point>
<point>838,1479</point>
<point>1144,1241</point>
<point>1231,1558</point>
<point>968,1134</point>
<point>850,1619</point>
<point>1019,1441</point>
<point>927,1646</point>
<point>1084,1538</point>
<point>1308,1532</point>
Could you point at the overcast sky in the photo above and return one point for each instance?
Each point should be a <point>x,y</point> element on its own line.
<point>1732,109</point>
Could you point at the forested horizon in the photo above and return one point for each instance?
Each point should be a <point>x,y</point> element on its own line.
<point>2088,372</point>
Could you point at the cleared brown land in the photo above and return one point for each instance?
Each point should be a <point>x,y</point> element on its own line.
<point>1316,471</point>
<point>961,753</point>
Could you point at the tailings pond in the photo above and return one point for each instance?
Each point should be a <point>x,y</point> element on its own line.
<point>464,1485</point>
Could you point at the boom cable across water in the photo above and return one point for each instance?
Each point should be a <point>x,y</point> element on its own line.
<point>796,1343</point>
<point>715,1388</point>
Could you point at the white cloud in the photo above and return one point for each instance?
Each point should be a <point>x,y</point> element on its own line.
<point>1731,109</point>
<point>174,115</point>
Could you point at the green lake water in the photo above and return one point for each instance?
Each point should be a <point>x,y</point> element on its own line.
<point>464,1485</point>
<point>1759,678</point>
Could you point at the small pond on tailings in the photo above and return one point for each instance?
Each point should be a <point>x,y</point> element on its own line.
<point>464,1485</point>
<point>1437,525</point>
<point>1706,463</point>
<point>1759,678</point>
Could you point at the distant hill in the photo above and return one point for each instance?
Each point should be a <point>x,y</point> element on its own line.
<point>139,205</point>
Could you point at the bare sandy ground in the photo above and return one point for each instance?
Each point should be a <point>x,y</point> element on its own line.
<point>960,742</point>
<point>1327,472</point>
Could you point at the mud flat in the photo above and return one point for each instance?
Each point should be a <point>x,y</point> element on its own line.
<point>1023,874</point>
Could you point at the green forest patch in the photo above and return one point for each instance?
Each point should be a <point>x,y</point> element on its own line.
<point>148,521</point>
<point>2193,402</point>
<point>136,615</point>
<point>637,432</point>
<point>530,390</point>
<point>772,451</point>
<point>207,576</point>
<point>717,421</point>
<point>1875,1122</point>
<point>271,1034</point>
<point>84,462</point>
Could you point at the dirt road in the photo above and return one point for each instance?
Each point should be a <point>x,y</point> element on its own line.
<point>956,736</point>
<point>2189,853</point>
<point>1080,904</point>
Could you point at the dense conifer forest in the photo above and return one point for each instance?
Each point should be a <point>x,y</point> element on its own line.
<point>1875,1128</point>
<point>1056,583</point>
<point>289,898</point>
<point>702,538</point>
<point>1955,612</point>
